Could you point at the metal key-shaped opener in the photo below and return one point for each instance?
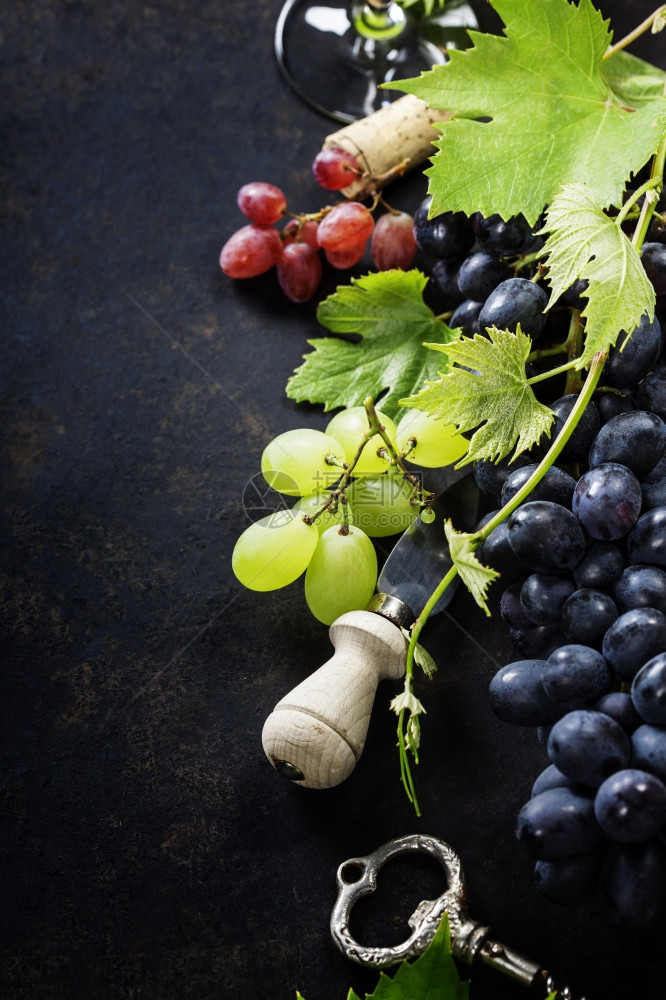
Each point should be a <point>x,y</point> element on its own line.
<point>470,940</point>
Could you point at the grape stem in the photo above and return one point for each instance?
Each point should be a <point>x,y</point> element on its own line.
<point>381,180</point>
<point>652,195</point>
<point>571,346</point>
<point>551,371</point>
<point>644,26</point>
<point>375,183</point>
<point>421,498</point>
<point>525,260</point>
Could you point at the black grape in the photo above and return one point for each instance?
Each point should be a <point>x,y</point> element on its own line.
<point>491,476</point>
<point>574,296</point>
<point>466,317</point>
<point>607,501</point>
<point>635,440</point>
<point>537,640</point>
<point>659,471</point>
<point>517,695</point>
<point>586,615</point>
<point>610,404</point>
<point>443,284</point>
<point>630,806</point>
<point>542,595</point>
<point>546,536</point>
<point>648,690</point>
<point>577,447</point>
<point>557,485</point>
<point>447,235</point>
<point>503,239</point>
<point>558,823</point>
<point>550,777</point>
<point>515,301</point>
<point>496,552</point>
<point>653,259</point>
<point>510,608</point>
<point>648,745</point>
<point>651,393</point>
<point>646,542</point>
<point>480,274</point>
<point>568,880</point>
<point>641,587</point>
<point>588,746</point>
<point>633,882</point>
<point>654,494</point>
<point>576,676</point>
<point>619,706</point>
<point>633,639</point>
<point>631,358</point>
<point>601,566</point>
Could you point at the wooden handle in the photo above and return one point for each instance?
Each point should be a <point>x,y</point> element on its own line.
<point>316,733</point>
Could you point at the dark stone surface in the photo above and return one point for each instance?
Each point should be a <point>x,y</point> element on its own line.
<point>148,849</point>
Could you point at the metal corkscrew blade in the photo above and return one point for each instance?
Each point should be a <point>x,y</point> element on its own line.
<point>470,940</point>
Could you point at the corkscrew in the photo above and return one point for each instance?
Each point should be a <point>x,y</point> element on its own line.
<point>470,940</point>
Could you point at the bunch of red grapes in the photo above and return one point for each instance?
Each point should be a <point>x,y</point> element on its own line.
<point>340,232</point>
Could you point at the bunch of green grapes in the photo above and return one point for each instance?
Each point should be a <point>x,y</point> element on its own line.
<point>327,533</point>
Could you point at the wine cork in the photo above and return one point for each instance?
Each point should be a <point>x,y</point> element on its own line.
<point>400,132</point>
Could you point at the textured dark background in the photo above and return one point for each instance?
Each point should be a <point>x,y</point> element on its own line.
<point>148,849</point>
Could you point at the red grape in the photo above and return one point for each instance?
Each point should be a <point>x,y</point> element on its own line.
<point>250,251</point>
<point>299,272</point>
<point>301,231</point>
<point>262,203</point>
<point>342,259</point>
<point>335,168</point>
<point>346,226</point>
<point>393,243</point>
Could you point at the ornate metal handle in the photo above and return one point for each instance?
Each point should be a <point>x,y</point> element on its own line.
<point>357,877</point>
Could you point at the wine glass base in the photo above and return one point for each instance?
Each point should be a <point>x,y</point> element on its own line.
<point>335,70</point>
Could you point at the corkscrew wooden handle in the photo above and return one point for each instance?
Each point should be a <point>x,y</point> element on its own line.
<point>316,733</point>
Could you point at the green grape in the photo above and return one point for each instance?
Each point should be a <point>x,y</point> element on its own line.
<point>427,515</point>
<point>274,551</point>
<point>348,427</point>
<point>437,443</point>
<point>295,462</point>
<point>381,505</point>
<point>342,574</point>
<point>314,502</point>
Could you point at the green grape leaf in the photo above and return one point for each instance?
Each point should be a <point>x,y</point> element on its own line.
<point>432,976</point>
<point>493,399</point>
<point>554,117</point>
<point>586,243</point>
<point>388,311</point>
<point>476,577</point>
<point>422,657</point>
<point>633,81</point>
<point>407,701</point>
<point>424,660</point>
